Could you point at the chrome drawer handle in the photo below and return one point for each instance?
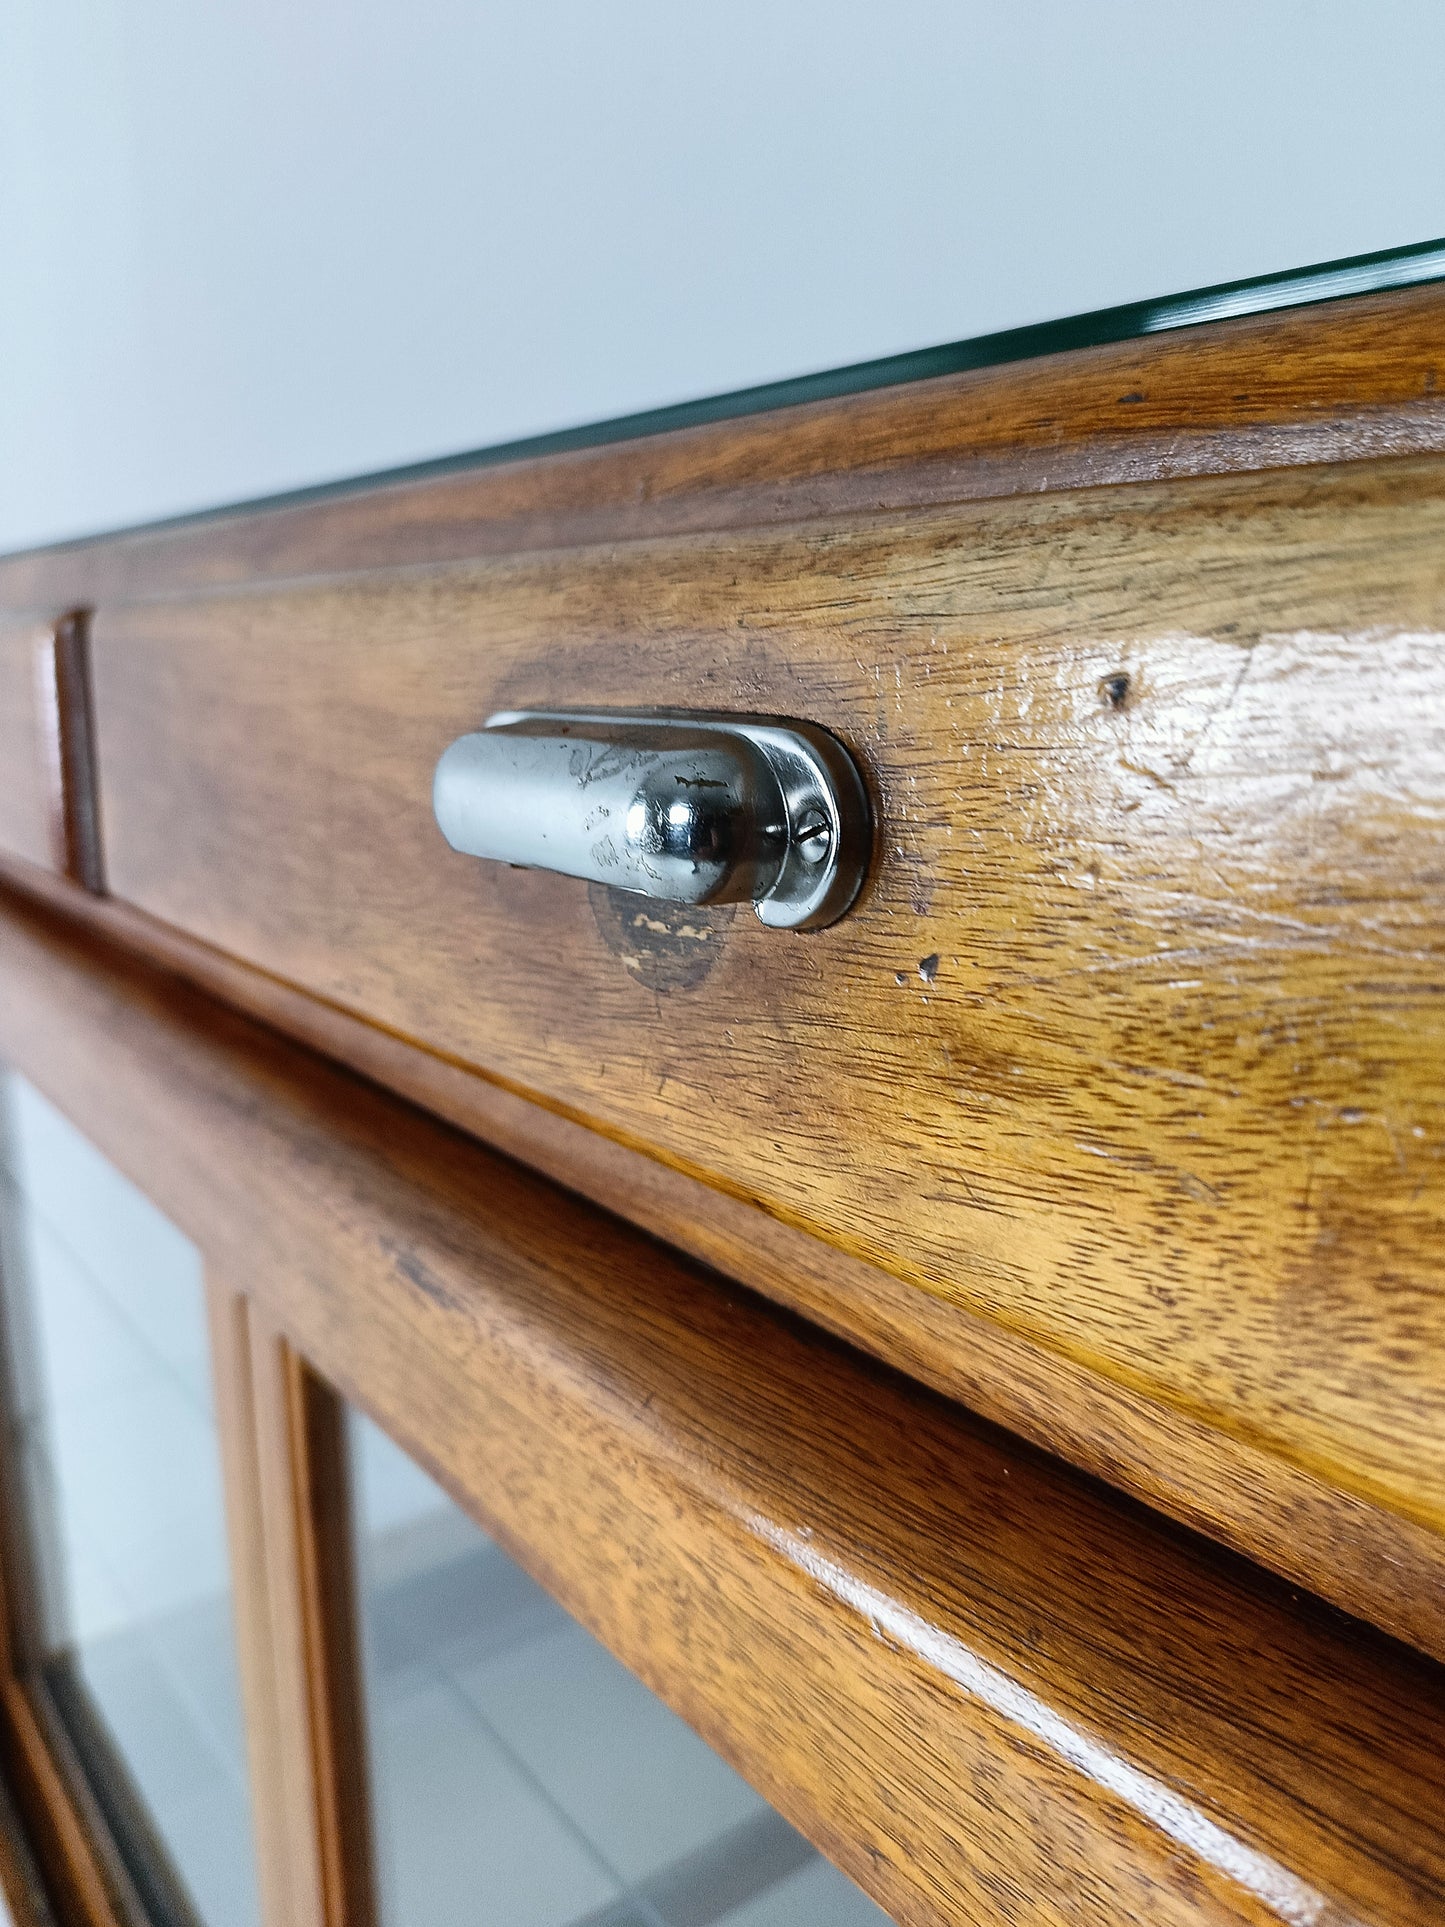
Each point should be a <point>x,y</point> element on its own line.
<point>689,808</point>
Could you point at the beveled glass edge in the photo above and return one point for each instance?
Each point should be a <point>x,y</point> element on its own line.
<point>1359,274</point>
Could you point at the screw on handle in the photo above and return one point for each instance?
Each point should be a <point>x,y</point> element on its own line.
<point>683,807</point>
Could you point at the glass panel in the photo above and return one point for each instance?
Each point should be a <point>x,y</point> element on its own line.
<point>1404,267</point>
<point>521,1776</point>
<point>120,1469</point>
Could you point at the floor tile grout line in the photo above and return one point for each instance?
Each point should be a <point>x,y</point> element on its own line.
<point>538,1786</point>
<point>234,1772</point>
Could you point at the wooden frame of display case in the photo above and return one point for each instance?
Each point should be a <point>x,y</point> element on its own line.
<point>288,1526</point>
<point>963,1670</point>
<point>986,1684</point>
<point>1088,534</point>
<point>284,1455</point>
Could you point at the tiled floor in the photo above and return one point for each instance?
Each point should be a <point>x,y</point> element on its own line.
<point>523,1777</point>
<point>107,1328</point>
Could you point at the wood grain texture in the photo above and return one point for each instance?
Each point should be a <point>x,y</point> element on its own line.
<point>1374,1564</point>
<point>284,1831</point>
<point>993,1691</point>
<point>306,1512</point>
<point>292,1577</point>
<point>1133,1045</point>
<point>1340,381</point>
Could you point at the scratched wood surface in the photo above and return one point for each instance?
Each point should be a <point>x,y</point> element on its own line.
<point>992,1690</point>
<point>1133,1044</point>
<point>1371,1561</point>
<point>1157,1142</point>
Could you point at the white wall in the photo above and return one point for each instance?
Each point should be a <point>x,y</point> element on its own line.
<point>250,244</point>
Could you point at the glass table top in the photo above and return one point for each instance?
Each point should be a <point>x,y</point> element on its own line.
<point>1360,274</point>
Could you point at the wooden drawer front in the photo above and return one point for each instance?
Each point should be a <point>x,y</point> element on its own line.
<point>1133,1044</point>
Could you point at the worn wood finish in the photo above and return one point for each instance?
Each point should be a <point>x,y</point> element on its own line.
<point>989,1688</point>
<point>1335,382</point>
<point>1133,1045</point>
<point>306,1512</point>
<point>1373,1563</point>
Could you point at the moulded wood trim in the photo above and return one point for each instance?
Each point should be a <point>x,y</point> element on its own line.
<point>283,1821</point>
<point>305,1509</point>
<point>291,1564</point>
